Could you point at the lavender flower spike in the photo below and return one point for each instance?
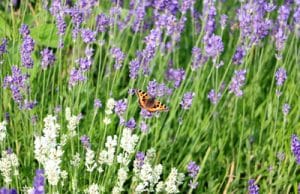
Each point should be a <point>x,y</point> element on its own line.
<point>252,188</point>
<point>295,147</point>
<point>3,46</point>
<point>48,58</point>
<point>280,76</point>
<point>4,190</point>
<point>193,170</point>
<point>237,82</point>
<point>213,96</point>
<point>187,100</point>
<point>39,182</point>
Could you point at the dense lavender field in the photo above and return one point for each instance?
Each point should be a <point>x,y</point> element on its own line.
<point>149,96</point>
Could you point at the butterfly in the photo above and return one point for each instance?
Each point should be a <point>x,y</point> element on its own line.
<point>149,103</point>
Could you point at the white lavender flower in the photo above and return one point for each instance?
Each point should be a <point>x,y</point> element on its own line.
<point>107,156</point>
<point>8,166</point>
<point>109,110</point>
<point>174,180</point>
<point>90,162</point>
<point>75,160</point>
<point>110,104</point>
<point>47,150</point>
<point>128,141</point>
<point>122,176</point>
<point>92,189</point>
<point>3,130</point>
<point>146,175</point>
<point>106,120</point>
<point>123,158</point>
<point>73,122</point>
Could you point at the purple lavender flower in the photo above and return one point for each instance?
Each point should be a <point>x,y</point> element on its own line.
<point>28,44</point>
<point>295,147</point>
<point>252,188</point>
<point>115,17</point>
<point>187,100</point>
<point>29,105</point>
<point>89,52</point>
<point>85,140</point>
<point>3,46</point>
<point>152,42</point>
<point>162,90</point>
<point>88,36</point>
<point>27,47</point>
<point>186,5</point>
<point>56,8</point>
<point>175,75</point>
<point>118,3</point>
<point>140,158</point>
<point>48,58</point>
<point>97,103</point>
<point>197,58</point>
<point>24,30</point>
<point>282,26</point>
<point>193,169</point>
<point>39,182</point>
<point>131,91</point>
<point>209,12</point>
<point>213,96</point>
<point>286,109</point>
<point>280,76</point>
<point>86,6</point>
<point>9,151</point>
<point>102,22</point>
<point>296,15</point>
<point>283,13</point>
<point>237,82</point>
<point>122,121</point>
<point>119,57</point>
<point>144,127</point>
<point>146,114</point>
<point>131,123</point>
<point>134,67</point>
<point>84,63</point>
<point>61,25</point>
<point>138,12</point>
<point>17,82</point>
<point>223,21</point>
<point>76,76</point>
<point>4,190</point>
<point>120,107</point>
<point>152,88</point>
<point>253,24</point>
<point>239,55</point>
<point>77,17</point>
<point>269,7</point>
<point>166,5</point>
<point>214,46</point>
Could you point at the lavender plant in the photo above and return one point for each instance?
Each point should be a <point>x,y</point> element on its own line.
<point>228,72</point>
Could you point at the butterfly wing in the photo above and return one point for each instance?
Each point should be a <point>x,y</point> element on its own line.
<point>149,103</point>
<point>158,106</point>
<point>143,98</point>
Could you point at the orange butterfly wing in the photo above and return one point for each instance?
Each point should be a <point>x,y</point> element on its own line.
<point>143,97</point>
<point>158,106</point>
<point>148,103</point>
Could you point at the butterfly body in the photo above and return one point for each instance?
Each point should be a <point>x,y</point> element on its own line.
<point>149,103</point>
